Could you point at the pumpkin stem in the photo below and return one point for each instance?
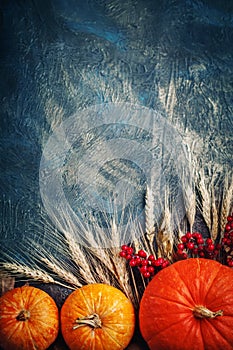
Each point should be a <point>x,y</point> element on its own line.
<point>92,320</point>
<point>23,315</point>
<point>203,312</point>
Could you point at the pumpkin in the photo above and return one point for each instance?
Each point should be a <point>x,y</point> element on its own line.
<point>29,319</point>
<point>97,316</point>
<point>189,305</point>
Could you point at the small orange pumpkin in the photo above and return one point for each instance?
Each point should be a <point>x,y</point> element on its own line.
<point>97,316</point>
<point>189,305</point>
<point>28,319</point>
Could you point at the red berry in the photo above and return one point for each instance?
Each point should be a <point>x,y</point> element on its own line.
<point>124,247</point>
<point>230,263</point>
<point>146,274</point>
<point>227,227</point>
<point>201,254</point>
<point>218,246</point>
<point>151,257</point>
<point>184,239</point>
<point>179,252</point>
<point>144,262</point>
<point>195,251</point>
<point>151,270</point>
<point>143,269</point>
<point>142,253</point>
<point>165,264</point>
<point>200,240</point>
<point>122,254</point>
<point>133,262</point>
<point>190,245</point>
<point>210,247</point>
<point>230,218</point>
<point>209,241</point>
<point>128,256</point>
<point>158,262</point>
<point>188,235</point>
<point>130,250</point>
<point>184,255</point>
<point>138,261</point>
<point>180,246</point>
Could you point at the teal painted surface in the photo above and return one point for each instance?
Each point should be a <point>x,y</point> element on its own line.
<point>59,58</point>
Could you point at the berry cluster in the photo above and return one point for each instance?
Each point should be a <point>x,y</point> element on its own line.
<point>227,241</point>
<point>147,264</point>
<point>194,245</point>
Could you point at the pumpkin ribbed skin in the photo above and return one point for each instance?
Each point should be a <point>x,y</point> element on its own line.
<point>166,316</point>
<point>28,319</point>
<point>114,314</point>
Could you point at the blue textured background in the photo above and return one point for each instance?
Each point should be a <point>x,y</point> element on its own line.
<point>60,56</point>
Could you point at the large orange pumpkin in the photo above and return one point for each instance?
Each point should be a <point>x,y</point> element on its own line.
<point>189,306</point>
<point>97,317</point>
<point>28,319</point>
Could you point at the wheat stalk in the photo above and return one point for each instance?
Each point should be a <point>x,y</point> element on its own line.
<point>122,274</point>
<point>165,237</point>
<point>190,205</point>
<point>62,273</point>
<point>206,202</point>
<point>187,182</point>
<point>119,265</point>
<point>149,215</point>
<point>227,200</point>
<point>215,217</point>
<point>78,256</point>
<point>23,271</point>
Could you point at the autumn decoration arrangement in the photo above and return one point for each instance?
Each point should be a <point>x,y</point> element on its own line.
<point>176,289</point>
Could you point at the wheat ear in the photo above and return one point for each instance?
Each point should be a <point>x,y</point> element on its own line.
<point>189,193</point>
<point>23,271</point>
<point>149,216</point>
<point>190,205</point>
<point>215,218</point>
<point>63,274</point>
<point>227,201</point>
<point>119,265</point>
<point>165,237</point>
<point>80,259</point>
<point>206,202</point>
